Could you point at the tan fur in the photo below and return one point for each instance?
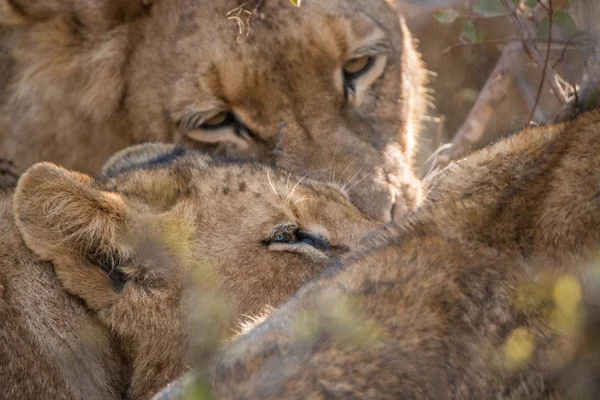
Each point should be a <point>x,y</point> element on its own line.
<point>428,309</point>
<point>83,79</point>
<point>101,282</point>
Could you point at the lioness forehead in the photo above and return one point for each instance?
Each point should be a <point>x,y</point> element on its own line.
<point>247,58</point>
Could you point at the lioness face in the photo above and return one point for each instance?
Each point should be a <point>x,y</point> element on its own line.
<point>247,234</point>
<point>329,89</point>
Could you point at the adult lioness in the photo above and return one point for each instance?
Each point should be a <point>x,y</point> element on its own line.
<point>452,303</point>
<point>333,88</point>
<point>159,238</point>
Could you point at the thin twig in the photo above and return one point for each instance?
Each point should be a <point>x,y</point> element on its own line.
<point>545,69</point>
<point>493,92</point>
<point>528,93</point>
<point>527,33</point>
<point>490,42</point>
<point>242,17</point>
<point>544,6</point>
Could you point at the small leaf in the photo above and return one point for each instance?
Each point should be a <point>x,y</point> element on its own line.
<point>296,2</point>
<point>594,99</point>
<point>481,37</point>
<point>531,3</point>
<point>542,29</point>
<point>469,31</point>
<point>490,8</point>
<point>564,20</point>
<point>445,15</point>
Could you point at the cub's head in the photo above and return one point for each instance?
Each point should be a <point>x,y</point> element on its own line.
<point>162,218</point>
<point>333,89</point>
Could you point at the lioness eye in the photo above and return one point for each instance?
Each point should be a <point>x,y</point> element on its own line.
<point>356,67</point>
<point>220,120</point>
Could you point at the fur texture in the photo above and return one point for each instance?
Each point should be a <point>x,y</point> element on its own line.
<point>81,80</point>
<point>109,287</point>
<point>453,303</point>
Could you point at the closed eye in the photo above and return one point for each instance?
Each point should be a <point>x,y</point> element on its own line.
<point>293,235</point>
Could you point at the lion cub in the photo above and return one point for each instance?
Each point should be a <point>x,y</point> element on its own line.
<point>101,281</point>
<point>475,296</point>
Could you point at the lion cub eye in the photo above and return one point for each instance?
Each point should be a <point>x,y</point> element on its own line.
<point>293,235</point>
<point>356,67</point>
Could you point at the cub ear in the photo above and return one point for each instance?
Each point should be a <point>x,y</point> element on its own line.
<point>139,155</point>
<point>91,14</point>
<point>65,219</point>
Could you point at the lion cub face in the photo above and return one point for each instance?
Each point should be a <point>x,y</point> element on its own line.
<point>176,220</point>
<point>329,89</point>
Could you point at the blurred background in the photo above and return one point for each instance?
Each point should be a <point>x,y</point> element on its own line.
<point>490,54</point>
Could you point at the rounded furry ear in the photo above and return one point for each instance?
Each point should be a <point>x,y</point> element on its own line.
<point>137,155</point>
<point>59,212</point>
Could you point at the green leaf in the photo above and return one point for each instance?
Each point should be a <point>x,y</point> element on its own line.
<point>481,37</point>
<point>445,15</point>
<point>594,99</point>
<point>469,31</point>
<point>296,2</point>
<point>542,29</point>
<point>563,20</point>
<point>490,8</point>
<point>531,3</point>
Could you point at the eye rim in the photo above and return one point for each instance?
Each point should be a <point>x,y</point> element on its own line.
<point>228,120</point>
<point>294,235</point>
<point>350,76</point>
<point>195,121</point>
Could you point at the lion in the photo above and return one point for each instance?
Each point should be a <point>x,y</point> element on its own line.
<point>166,240</point>
<point>334,89</point>
<point>477,294</point>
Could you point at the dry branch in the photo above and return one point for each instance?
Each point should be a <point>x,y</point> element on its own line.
<point>528,33</point>
<point>492,94</point>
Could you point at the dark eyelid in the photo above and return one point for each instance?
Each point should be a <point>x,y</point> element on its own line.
<point>289,228</point>
<point>372,49</point>
<point>314,239</point>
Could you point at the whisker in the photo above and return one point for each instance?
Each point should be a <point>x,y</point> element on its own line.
<point>289,196</point>
<point>348,166</point>
<point>271,183</point>
<point>288,179</point>
<point>332,166</point>
<point>300,200</point>
<point>353,176</point>
<point>357,182</point>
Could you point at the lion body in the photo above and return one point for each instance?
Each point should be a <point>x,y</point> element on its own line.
<point>156,246</point>
<point>463,300</point>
